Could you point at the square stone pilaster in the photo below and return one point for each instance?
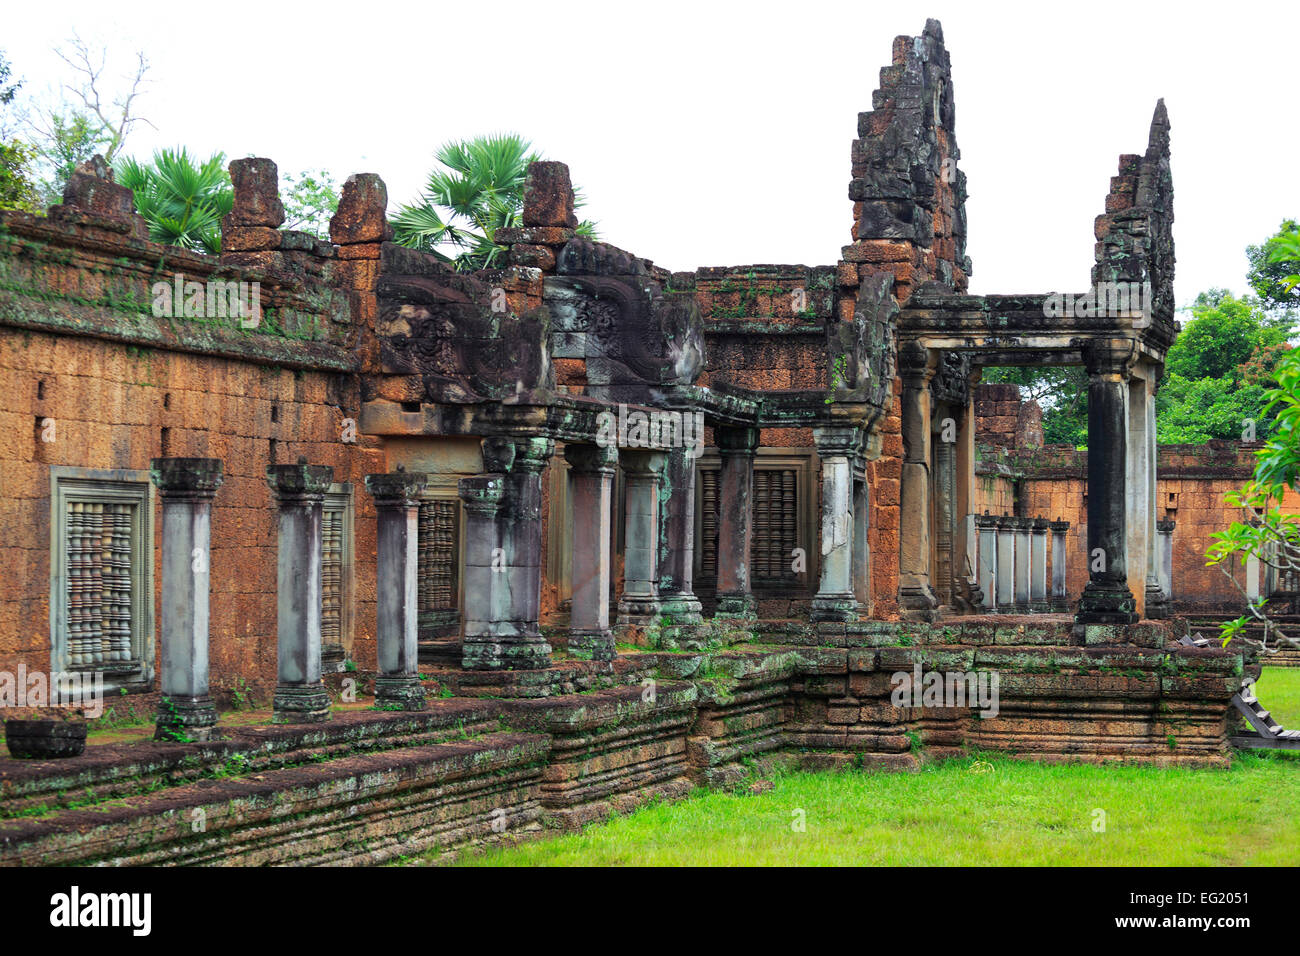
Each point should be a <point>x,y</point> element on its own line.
<point>486,606</point>
<point>916,366</point>
<point>736,447</point>
<point>591,474</point>
<point>986,528</point>
<point>1060,600</point>
<point>299,490</point>
<point>677,539</point>
<point>516,560</point>
<point>1163,604</point>
<point>187,487</point>
<point>397,510</point>
<point>642,477</point>
<point>1038,602</point>
<point>837,447</point>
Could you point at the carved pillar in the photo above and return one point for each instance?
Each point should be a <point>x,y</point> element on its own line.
<point>1060,601</point>
<point>1164,607</point>
<point>837,447</point>
<point>677,539</point>
<point>915,596</point>
<point>1155,598</point>
<point>736,446</point>
<point>642,476</point>
<point>987,529</point>
<point>486,601</point>
<point>861,552</point>
<point>187,487</point>
<point>300,696</point>
<point>1021,530</point>
<point>591,473</point>
<point>1139,518</point>
<point>517,592</point>
<point>397,508</point>
<point>1107,599</point>
<point>1006,596</point>
<point>1038,566</point>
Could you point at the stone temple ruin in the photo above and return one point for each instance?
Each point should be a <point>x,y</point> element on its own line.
<point>492,492</point>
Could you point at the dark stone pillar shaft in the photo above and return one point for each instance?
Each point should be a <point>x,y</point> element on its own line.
<point>591,474</point>
<point>1107,599</point>
<point>397,510</point>
<point>187,487</point>
<point>736,446</point>
<point>300,696</point>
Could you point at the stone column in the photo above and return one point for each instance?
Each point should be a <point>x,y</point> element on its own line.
<point>642,476</point>
<point>1038,566</point>
<point>1163,607</point>
<point>1021,529</point>
<point>736,446</point>
<point>591,473</point>
<point>1138,497</point>
<point>987,529</point>
<point>397,507</point>
<point>1107,600</point>
<point>835,600</point>
<point>677,542</point>
<point>1006,597</point>
<point>299,490</point>
<point>187,487</point>
<point>861,551</point>
<point>917,366</point>
<point>517,590</point>
<point>1060,601</point>
<point>1154,595</point>
<point>486,599</point>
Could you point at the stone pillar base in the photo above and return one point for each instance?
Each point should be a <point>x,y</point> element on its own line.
<point>834,607</point>
<point>592,644</point>
<point>1039,607</point>
<point>639,610</point>
<point>1106,604</point>
<point>179,717</point>
<point>515,654</point>
<point>399,693</point>
<point>301,704</point>
<point>740,604</point>
<point>917,602</point>
<point>1159,607</point>
<point>1060,607</point>
<point>682,608</point>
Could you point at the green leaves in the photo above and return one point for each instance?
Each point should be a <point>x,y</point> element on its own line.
<point>479,190</point>
<point>181,199</point>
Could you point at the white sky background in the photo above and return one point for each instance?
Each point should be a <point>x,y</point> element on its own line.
<point>718,134</point>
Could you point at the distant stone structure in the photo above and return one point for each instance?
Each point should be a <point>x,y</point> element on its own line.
<point>388,464</point>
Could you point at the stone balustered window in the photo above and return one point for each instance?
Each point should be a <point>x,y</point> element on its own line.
<point>439,567</point>
<point>336,576</point>
<point>781,519</point>
<point>101,573</point>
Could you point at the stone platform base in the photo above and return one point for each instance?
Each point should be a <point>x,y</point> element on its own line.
<point>564,746</point>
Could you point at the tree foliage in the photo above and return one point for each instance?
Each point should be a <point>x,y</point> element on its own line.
<point>1271,263</point>
<point>478,190</point>
<point>1267,533</point>
<point>310,200</point>
<point>182,199</point>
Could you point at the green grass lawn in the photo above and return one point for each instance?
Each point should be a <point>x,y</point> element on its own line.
<point>976,811</point>
<point>1278,689</point>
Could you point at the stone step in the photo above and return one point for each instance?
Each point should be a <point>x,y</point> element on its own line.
<point>365,808</point>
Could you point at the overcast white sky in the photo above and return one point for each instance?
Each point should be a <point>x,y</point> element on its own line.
<point>718,134</point>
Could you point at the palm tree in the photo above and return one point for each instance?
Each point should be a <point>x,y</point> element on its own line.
<point>181,199</point>
<point>480,190</point>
